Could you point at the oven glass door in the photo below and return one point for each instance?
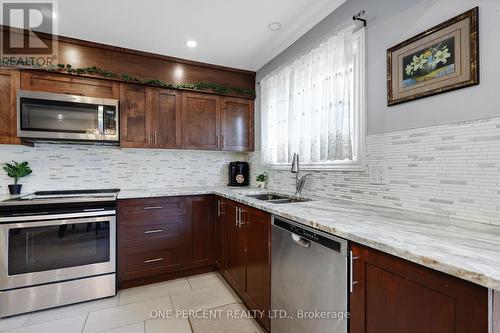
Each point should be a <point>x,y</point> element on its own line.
<point>47,251</point>
<point>43,248</point>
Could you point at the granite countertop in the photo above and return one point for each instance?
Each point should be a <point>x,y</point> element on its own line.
<point>470,251</point>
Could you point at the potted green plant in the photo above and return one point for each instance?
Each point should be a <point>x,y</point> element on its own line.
<point>17,171</point>
<point>261,180</point>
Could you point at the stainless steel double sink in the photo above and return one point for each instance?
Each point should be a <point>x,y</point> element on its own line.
<point>278,198</point>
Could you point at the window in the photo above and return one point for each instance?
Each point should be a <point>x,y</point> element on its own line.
<point>315,106</point>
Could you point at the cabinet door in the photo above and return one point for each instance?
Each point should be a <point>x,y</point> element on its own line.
<point>165,111</point>
<point>69,84</point>
<point>235,249</point>
<point>9,84</point>
<point>134,127</point>
<point>237,124</point>
<point>200,238</point>
<point>393,295</point>
<point>151,237</point>
<point>200,121</point>
<point>257,226</point>
<point>220,233</point>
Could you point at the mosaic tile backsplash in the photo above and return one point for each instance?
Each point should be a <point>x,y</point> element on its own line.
<point>450,170</point>
<point>58,167</point>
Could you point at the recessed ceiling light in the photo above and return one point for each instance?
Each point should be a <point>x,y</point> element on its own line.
<point>191,43</point>
<point>274,26</point>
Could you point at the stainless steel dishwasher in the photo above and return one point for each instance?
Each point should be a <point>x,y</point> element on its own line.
<point>308,279</point>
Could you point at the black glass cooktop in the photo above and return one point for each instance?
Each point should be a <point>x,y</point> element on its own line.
<point>73,194</point>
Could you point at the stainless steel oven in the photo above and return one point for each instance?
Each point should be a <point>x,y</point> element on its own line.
<point>47,116</point>
<point>56,254</point>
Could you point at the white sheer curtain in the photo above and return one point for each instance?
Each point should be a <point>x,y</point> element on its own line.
<point>311,106</point>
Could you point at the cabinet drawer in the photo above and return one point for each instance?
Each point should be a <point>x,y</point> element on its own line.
<point>169,228</point>
<point>146,264</point>
<point>67,84</point>
<point>150,210</point>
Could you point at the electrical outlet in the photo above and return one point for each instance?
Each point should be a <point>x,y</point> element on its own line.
<point>377,174</point>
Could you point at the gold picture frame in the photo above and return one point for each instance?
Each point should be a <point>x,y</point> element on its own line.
<point>441,59</point>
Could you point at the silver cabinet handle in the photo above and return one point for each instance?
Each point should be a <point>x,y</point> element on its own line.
<point>241,220</point>
<point>238,216</point>
<point>93,209</point>
<point>219,213</point>
<point>152,260</point>
<point>352,282</point>
<point>147,232</point>
<point>153,207</point>
<point>155,138</point>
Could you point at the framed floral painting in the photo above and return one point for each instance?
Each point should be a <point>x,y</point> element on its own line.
<point>443,58</point>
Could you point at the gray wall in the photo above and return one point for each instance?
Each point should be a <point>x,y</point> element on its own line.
<point>390,22</point>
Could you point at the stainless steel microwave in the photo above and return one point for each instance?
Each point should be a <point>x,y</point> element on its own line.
<point>46,116</point>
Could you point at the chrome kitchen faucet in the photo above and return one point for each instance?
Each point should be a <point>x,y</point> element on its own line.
<point>299,181</point>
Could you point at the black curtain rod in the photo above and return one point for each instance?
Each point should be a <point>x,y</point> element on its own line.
<point>358,16</point>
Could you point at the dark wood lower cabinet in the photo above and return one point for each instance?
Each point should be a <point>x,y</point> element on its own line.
<point>164,238</point>
<point>393,295</point>
<point>247,261</point>
<point>234,271</point>
<point>257,225</point>
<point>200,231</point>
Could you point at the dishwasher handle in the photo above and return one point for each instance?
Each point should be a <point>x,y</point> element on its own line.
<point>307,235</point>
<point>301,241</point>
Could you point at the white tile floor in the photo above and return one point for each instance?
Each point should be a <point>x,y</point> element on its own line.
<point>131,311</point>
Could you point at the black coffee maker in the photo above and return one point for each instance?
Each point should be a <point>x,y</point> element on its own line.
<point>239,174</point>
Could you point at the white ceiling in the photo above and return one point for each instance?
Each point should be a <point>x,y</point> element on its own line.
<point>231,33</point>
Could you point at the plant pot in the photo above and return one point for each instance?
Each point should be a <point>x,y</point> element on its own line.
<point>261,184</point>
<point>15,189</point>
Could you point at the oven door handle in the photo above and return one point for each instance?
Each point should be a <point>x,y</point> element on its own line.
<point>59,222</point>
<point>53,219</point>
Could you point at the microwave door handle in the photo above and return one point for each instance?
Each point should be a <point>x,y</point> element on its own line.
<point>100,119</point>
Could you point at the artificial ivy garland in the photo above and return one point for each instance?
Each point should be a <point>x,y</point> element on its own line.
<point>150,82</point>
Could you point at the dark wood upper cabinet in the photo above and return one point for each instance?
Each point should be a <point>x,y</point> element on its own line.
<point>165,110</point>
<point>9,84</point>
<point>134,126</point>
<point>153,117</point>
<point>201,121</point>
<point>69,84</point>
<point>257,226</point>
<point>237,124</point>
<point>200,230</point>
<point>393,295</point>
<point>217,123</point>
<point>220,233</point>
